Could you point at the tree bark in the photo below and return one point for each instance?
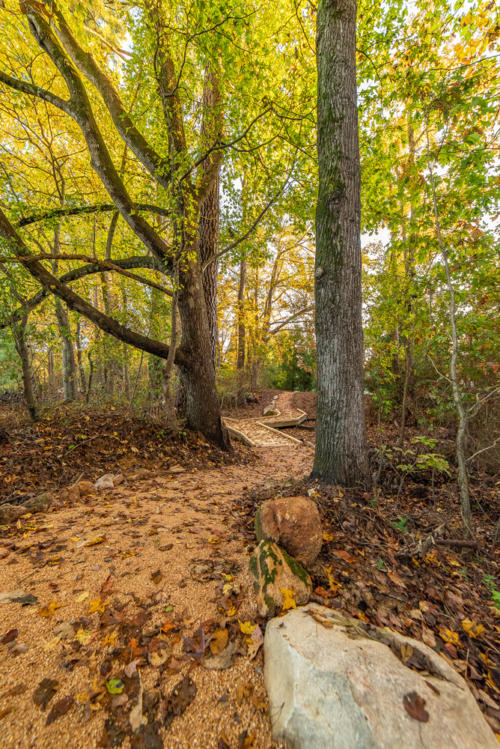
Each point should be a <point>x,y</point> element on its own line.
<point>68,354</point>
<point>19,334</point>
<point>340,455</point>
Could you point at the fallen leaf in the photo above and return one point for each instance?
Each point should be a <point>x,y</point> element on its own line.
<point>60,708</point>
<point>222,660</point>
<point>131,668</point>
<point>83,636</point>
<point>341,554</point>
<point>448,635</point>
<point>218,641</point>
<point>9,636</point>
<point>82,596</point>
<point>246,627</point>
<point>327,536</point>
<point>50,608</point>
<point>179,699</point>
<point>44,692</point>
<point>19,649</point>
<point>415,706</point>
<point>472,628</point>
<point>254,642</point>
<point>97,605</point>
<point>156,576</point>
<point>95,541</point>
<point>115,686</point>
<point>288,599</point>
<point>158,657</point>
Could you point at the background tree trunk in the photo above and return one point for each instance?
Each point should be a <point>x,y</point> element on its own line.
<point>68,355</point>
<point>19,334</point>
<point>341,455</point>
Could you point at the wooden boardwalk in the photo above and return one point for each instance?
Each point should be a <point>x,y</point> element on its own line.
<point>263,431</point>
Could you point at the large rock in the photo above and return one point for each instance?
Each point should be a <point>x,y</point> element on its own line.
<point>333,683</point>
<point>279,581</point>
<point>292,522</point>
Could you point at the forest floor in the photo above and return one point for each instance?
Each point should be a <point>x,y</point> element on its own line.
<point>131,619</point>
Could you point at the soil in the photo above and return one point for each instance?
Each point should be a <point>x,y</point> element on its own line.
<point>126,596</point>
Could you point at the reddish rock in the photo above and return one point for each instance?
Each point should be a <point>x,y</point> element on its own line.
<point>293,523</point>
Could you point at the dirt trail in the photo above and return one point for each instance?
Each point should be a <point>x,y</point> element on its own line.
<point>108,574</point>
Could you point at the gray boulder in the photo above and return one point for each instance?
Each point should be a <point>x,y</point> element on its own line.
<point>335,683</point>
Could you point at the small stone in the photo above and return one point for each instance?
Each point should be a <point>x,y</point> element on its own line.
<point>85,487</point>
<point>334,682</point>
<point>294,523</point>
<point>274,572</point>
<point>105,482</point>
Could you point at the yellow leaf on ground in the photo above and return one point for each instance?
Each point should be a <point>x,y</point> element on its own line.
<point>246,627</point>
<point>83,636</point>
<point>97,605</point>
<point>50,608</point>
<point>473,629</point>
<point>327,536</point>
<point>82,596</point>
<point>288,599</point>
<point>448,635</point>
<point>95,541</point>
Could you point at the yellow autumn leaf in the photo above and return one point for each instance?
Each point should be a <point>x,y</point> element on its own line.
<point>327,536</point>
<point>95,541</point>
<point>83,636</point>
<point>97,605</point>
<point>288,599</point>
<point>448,635</point>
<point>50,608</point>
<point>334,584</point>
<point>246,627</point>
<point>473,629</point>
<point>82,596</point>
<point>110,639</point>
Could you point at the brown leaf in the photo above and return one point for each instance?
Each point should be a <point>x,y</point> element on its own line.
<point>156,576</point>
<point>414,705</point>
<point>180,698</point>
<point>44,692</point>
<point>60,708</point>
<point>341,554</point>
<point>9,636</point>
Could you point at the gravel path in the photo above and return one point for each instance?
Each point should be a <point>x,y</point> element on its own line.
<point>127,575</point>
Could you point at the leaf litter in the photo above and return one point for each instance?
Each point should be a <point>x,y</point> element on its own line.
<point>129,644</point>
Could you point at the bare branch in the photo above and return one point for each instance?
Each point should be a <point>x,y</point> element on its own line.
<point>84,209</point>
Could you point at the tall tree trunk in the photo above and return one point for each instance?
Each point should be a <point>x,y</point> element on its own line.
<point>168,394</point>
<point>240,356</point>
<point>79,357</point>
<point>208,226</point>
<point>63,322</point>
<point>19,334</point>
<point>341,455</point>
<point>68,355</point>
<point>209,234</point>
<point>198,379</point>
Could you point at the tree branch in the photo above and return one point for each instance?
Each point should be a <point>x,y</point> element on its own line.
<point>84,209</point>
<point>82,113</point>
<point>152,161</point>
<point>82,272</point>
<point>77,303</point>
<point>32,90</point>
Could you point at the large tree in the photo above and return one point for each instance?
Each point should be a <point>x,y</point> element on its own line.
<point>340,455</point>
